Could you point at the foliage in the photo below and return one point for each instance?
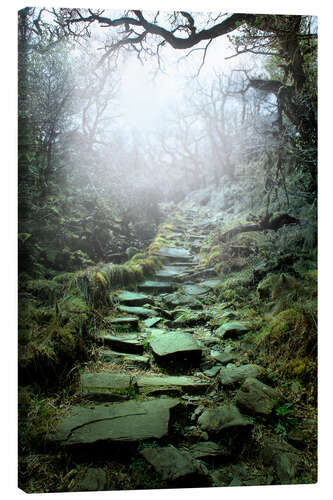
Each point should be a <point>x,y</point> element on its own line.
<point>284,419</point>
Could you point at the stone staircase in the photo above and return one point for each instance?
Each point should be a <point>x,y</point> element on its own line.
<point>172,387</point>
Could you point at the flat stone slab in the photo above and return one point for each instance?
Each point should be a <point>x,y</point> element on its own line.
<point>127,421</point>
<point>157,286</point>
<point>210,283</point>
<point>153,384</point>
<point>177,299</point>
<point>152,321</point>
<point>172,464</point>
<point>175,253</point>
<point>223,357</point>
<point>231,329</point>
<point>131,360</point>
<point>257,398</point>
<point>212,372</point>
<point>175,343</point>
<point>234,374</point>
<point>194,289</point>
<point>177,268</point>
<point>105,386</point>
<point>126,323</point>
<point>127,343</point>
<point>189,318</point>
<point>155,332</point>
<point>187,264</point>
<point>208,449</point>
<point>133,298</point>
<point>169,274</point>
<point>142,312</point>
<point>221,418</point>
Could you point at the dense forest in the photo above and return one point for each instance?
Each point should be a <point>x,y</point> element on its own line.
<point>167,249</point>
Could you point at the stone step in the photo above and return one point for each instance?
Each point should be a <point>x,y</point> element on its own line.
<point>157,286</point>
<point>174,253</point>
<point>106,386</point>
<point>143,312</point>
<point>182,263</point>
<point>130,360</point>
<point>128,421</point>
<point>133,298</point>
<point>152,321</point>
<point>170,273</point>
<point>153,385</point>
<point>195,290</point>
<point>129,343</point>
<point>210,283</point>
<point>127,323</point>
<point>175,346</point>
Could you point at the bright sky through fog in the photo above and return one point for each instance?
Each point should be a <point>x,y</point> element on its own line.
<point>146,95</point>
<point>144,99</point>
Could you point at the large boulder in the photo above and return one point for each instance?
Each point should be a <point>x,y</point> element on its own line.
<point>195,290</point>
<point>230,375</point>
<point>176,466</point>
<point>284,458</point>
<point>257,398</point>
<point>217,420</point>
<point>232,329</point>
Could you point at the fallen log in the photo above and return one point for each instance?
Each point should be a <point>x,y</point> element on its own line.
<point>266,223</point>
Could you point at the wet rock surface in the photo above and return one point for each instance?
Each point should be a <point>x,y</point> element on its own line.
<point>124,422</point>
<point>257,398</point>
<point>173,465</point>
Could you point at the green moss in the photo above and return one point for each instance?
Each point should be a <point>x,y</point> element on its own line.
<point>214,257</point>
<point>283,325</point>
<point>45,290</point>
<point>138,256</point>
<point>37,419</point>
<point>266,285</point>
<point>289,343</point>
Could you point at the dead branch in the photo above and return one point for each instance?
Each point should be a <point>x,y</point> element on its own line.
<point>267,223</point>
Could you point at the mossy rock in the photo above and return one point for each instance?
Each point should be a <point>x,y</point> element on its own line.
<point>266,285</point>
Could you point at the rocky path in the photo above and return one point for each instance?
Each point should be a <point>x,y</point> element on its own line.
<point>174,390</point>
